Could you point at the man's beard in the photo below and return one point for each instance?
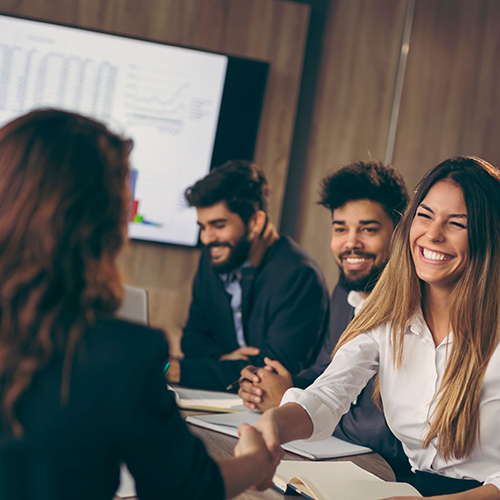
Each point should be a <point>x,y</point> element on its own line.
<point>365,283</point>
<point>237,256</point>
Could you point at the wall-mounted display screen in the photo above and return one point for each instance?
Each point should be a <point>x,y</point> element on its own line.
<point>166,98</point>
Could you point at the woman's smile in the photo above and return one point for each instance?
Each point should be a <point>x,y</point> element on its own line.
<point>439,237</point>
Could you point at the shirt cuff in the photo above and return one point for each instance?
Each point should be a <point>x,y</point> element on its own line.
<point>493,479</point>
<point>324,421</point>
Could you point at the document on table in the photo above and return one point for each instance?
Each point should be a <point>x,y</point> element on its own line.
<point>318,450</point>
<point>335,481</point>
<point>220,402</point>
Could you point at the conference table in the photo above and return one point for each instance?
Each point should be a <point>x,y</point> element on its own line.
<point>222,446</point>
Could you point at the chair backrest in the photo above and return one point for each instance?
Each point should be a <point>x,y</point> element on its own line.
<point>135,305</point>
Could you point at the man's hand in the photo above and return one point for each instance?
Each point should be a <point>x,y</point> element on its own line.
<point>240,353</point>
<point>265,388</point>
<point>253,465</point>
<point>173,374</point>
<point>275,379</point>
<point>249,392</point>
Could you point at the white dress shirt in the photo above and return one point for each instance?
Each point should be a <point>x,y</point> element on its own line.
<point>407,393</point>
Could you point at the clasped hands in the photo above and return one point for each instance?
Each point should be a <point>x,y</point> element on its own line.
<point>262,388</point>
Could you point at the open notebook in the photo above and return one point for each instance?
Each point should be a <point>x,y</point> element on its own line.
<point>318,450</point>
<point>335,481</point>
<point>220,402</point>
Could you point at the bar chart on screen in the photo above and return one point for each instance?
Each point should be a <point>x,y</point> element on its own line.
<point>166,98</point>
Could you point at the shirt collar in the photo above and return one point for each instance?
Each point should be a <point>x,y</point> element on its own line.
<point>235,274</point>
<point>418,326</point>
<point>356,300</point>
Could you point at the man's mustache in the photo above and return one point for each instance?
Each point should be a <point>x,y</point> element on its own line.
<point>222,244</point>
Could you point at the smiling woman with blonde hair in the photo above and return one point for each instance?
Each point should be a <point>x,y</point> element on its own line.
<point>430,329</point>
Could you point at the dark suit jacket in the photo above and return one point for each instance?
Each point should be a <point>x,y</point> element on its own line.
<point>284,310</point>
<point>364,423</point>
<point>119,409</point>
<point>341,314</point>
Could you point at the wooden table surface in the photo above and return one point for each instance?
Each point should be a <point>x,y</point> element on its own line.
<point>222,446</point>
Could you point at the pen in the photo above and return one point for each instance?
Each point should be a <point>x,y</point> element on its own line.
<point>166,366</point>
<point>238,382</point>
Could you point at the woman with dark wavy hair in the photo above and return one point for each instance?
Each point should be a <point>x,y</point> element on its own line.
<point>84,389</point>
<point>431,329</point>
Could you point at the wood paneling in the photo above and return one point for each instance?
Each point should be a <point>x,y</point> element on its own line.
<point>485,130</point>
<point>451,91</point>
<point>269,30</point>
<point>353,106</point>
<point>449,106</point>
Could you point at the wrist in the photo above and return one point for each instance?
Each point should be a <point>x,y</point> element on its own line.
<point>257,465</point>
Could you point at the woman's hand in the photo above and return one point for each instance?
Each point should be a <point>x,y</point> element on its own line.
<point>251,443</point>
<point>267,425</point>
<point>281,425</point>
<point>252,465</point>
<point>258,451</point>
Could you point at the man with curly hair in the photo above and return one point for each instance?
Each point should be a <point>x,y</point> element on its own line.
<point>366,201</point>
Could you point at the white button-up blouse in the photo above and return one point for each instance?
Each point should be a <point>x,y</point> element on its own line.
<point>407,397</point>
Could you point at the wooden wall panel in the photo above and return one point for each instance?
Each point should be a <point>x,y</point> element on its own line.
<point>451,90</point>
<point>353,106</point>
<point>450,101</point>
<point>485,129</point>
<point>269,30</point>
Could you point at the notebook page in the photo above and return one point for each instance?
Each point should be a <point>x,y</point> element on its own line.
<point>208,400</point>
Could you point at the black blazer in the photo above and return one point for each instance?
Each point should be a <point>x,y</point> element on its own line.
<point>284,312</point>
<point>341,314</point>
<point>119,410</point>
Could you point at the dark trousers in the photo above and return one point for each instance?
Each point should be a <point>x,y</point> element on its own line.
<point>433,484</point>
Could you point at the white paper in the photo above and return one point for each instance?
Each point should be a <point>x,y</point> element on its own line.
<point>328,448</point>
<point>215,401</point>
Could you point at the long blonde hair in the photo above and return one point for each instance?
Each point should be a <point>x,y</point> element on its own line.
<point>474,308</point>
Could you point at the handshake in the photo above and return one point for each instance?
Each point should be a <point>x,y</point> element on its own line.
<point>262,389</point>
<point>274,428</point>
